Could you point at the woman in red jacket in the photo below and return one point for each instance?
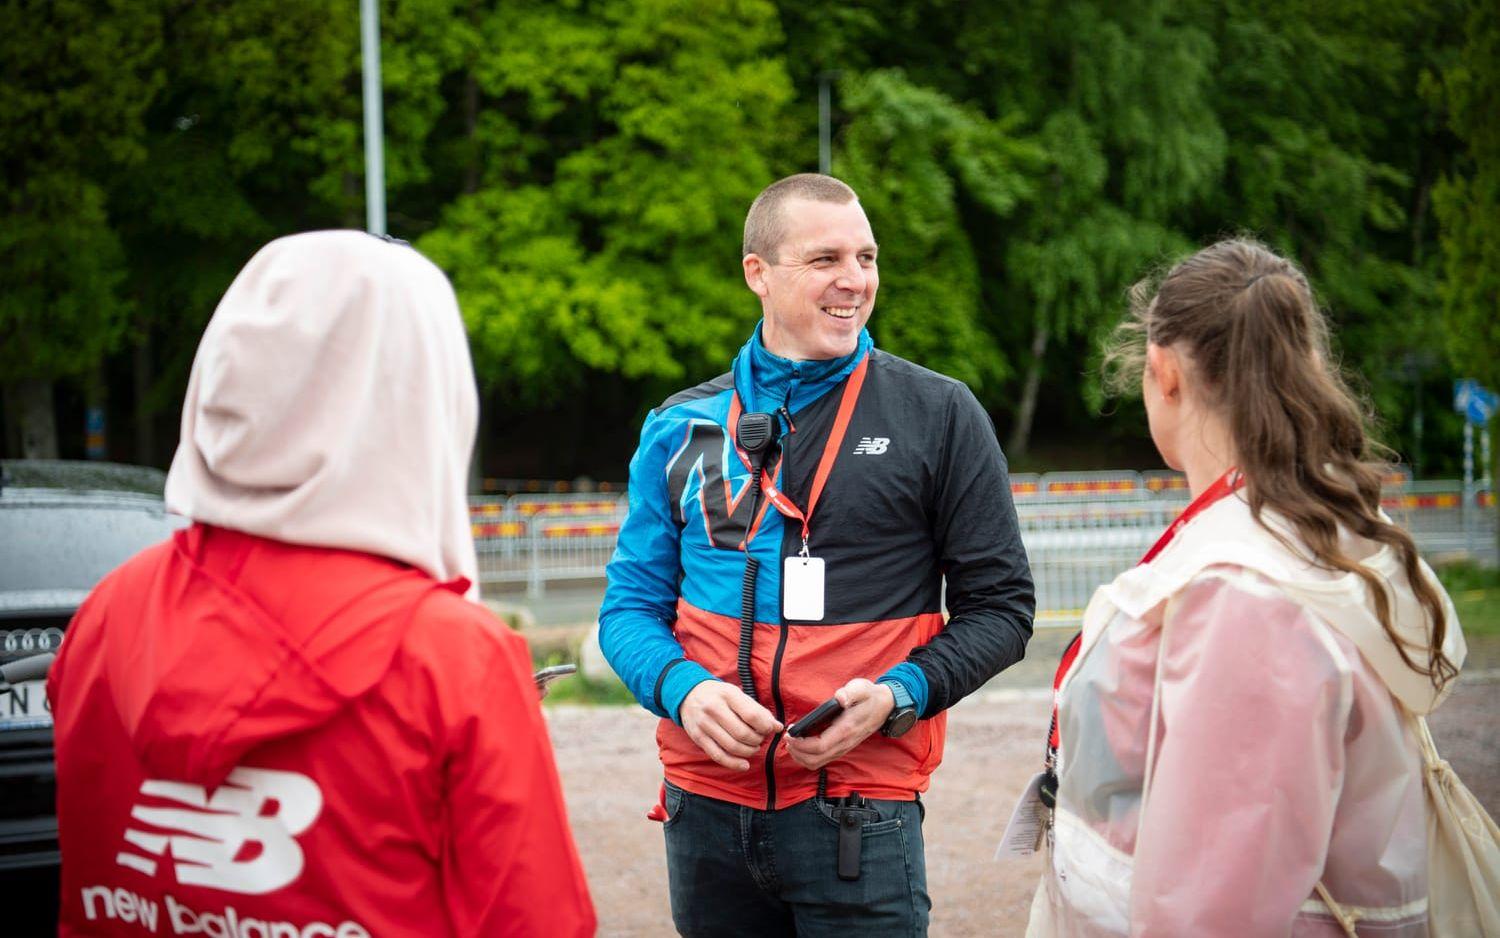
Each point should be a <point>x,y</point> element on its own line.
<point>288,719</point>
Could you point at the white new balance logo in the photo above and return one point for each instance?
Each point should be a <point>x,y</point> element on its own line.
<point>255,813</point>
<point>872,445</point>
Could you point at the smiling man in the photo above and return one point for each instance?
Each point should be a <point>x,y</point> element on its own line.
<point>792,523</point>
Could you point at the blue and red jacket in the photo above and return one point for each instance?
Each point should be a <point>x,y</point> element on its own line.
<point>918,492</point>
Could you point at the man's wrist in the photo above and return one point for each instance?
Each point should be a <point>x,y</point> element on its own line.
<point>680,682</point>
<point>903,713</point>
<point>910,676</point>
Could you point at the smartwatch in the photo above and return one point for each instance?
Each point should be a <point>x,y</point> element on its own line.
<point>904,716</point>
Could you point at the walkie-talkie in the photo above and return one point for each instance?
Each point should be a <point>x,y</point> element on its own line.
<point>755,434</point>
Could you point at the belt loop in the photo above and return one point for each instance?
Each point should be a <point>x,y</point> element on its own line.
<point>822,786</point>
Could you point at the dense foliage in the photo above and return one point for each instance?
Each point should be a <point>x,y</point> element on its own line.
<point>581,169</point>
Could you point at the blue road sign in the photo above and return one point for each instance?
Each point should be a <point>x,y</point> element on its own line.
<point>1475,401</point>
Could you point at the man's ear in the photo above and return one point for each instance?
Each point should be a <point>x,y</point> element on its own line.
<point>755,274</point>
<point>1166,368</point>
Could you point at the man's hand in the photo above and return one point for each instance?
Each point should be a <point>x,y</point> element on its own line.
<point>866,707</point>
<point>726,724</point>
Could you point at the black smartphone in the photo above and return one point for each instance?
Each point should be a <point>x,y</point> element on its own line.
<point>547,675</point>
<point>821,716</point>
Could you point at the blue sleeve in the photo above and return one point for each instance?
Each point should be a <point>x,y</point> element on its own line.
<point>640,602</point>
<point>913,679</point>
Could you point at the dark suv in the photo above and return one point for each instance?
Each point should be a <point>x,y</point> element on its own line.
<point>63,526</point>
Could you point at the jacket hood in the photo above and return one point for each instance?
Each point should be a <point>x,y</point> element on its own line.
<point>1347,604</point>
<point>332,403</point>
<point>1227,534</point>
<point>240,640</point>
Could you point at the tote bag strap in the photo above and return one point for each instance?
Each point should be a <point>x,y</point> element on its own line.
<point>1346,917</point>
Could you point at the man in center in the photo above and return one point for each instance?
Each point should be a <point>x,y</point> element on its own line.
<point>736,605</point>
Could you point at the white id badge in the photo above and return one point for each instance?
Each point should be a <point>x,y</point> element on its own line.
<point>802,588</point>
<point>1028,822</point>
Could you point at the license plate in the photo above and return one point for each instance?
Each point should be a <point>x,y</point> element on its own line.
<point>24,707</point>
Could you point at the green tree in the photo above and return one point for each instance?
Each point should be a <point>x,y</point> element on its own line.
<point>582,167</point>
<point>1111,101</point>
<point>1122,99</point>
<point>74,86</point>
<point>1467,201</point>
<point>917,158</point>
<point>1468,204</point>
<point>1331,159</point>
<point>254,132</point>
<point>603,239</point>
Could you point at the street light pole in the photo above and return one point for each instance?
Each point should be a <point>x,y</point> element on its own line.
<point>825,121</point>
<point>369,27</point>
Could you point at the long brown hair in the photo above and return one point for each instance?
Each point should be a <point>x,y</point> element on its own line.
<point>1259,344</point>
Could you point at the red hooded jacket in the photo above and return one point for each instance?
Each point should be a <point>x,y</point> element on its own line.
<point>261,740</point>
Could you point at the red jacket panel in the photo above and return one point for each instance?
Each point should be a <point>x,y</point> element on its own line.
<point>806,667</point>
<point>261,738</point>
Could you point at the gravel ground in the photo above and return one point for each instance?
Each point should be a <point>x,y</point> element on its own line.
<point>607,756</point>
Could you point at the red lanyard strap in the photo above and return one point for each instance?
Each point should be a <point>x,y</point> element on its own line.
<point>1221,488</point>
<point>1068,656</point>
<point>830,455</point>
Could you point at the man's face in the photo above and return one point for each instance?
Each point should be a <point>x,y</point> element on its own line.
<point>820,292</point>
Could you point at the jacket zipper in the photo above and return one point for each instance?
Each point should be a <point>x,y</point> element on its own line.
<point>786,465</point>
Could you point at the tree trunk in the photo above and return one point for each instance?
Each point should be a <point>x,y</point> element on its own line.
<point>1418,221</point>
<point>145,419</point>
<point>1020,436</point>
<point>38,421</point>
<point>1419,210</point>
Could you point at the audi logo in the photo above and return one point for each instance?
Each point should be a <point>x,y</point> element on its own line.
<point>30,641</point>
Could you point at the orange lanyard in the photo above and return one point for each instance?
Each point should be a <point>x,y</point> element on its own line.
<point>825,465</point>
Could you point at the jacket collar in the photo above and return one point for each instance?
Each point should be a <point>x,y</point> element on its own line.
<point>766,381</point>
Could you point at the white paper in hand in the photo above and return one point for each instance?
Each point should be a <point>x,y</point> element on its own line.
<point>1028,822</point>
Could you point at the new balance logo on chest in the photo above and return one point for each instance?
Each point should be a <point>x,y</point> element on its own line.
<point>872,445</point>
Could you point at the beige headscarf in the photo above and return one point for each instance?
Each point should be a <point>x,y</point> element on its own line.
<point>332,403</point>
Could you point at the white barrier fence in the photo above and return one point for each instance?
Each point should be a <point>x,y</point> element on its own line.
<point>1080,530</point>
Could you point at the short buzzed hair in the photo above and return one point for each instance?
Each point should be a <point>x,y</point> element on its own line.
<point>765,224</point>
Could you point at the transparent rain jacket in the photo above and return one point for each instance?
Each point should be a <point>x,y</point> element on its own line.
<point>1281,756</point>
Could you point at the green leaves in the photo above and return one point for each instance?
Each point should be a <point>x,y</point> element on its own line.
<point>651,124</point>
<point>581,168</point>
<point>73,86</point>
<point>1468,201</point>
<point>916,157</point>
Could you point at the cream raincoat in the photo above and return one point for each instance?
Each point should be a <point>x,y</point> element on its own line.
<point>1281,755</point>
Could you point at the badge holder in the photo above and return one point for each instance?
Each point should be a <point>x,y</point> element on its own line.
<point>802,579</point>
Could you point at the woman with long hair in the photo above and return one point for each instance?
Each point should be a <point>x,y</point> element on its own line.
<point>1237,754</point>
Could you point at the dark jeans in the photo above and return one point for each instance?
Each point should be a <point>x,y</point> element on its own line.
<point>739,871</point>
